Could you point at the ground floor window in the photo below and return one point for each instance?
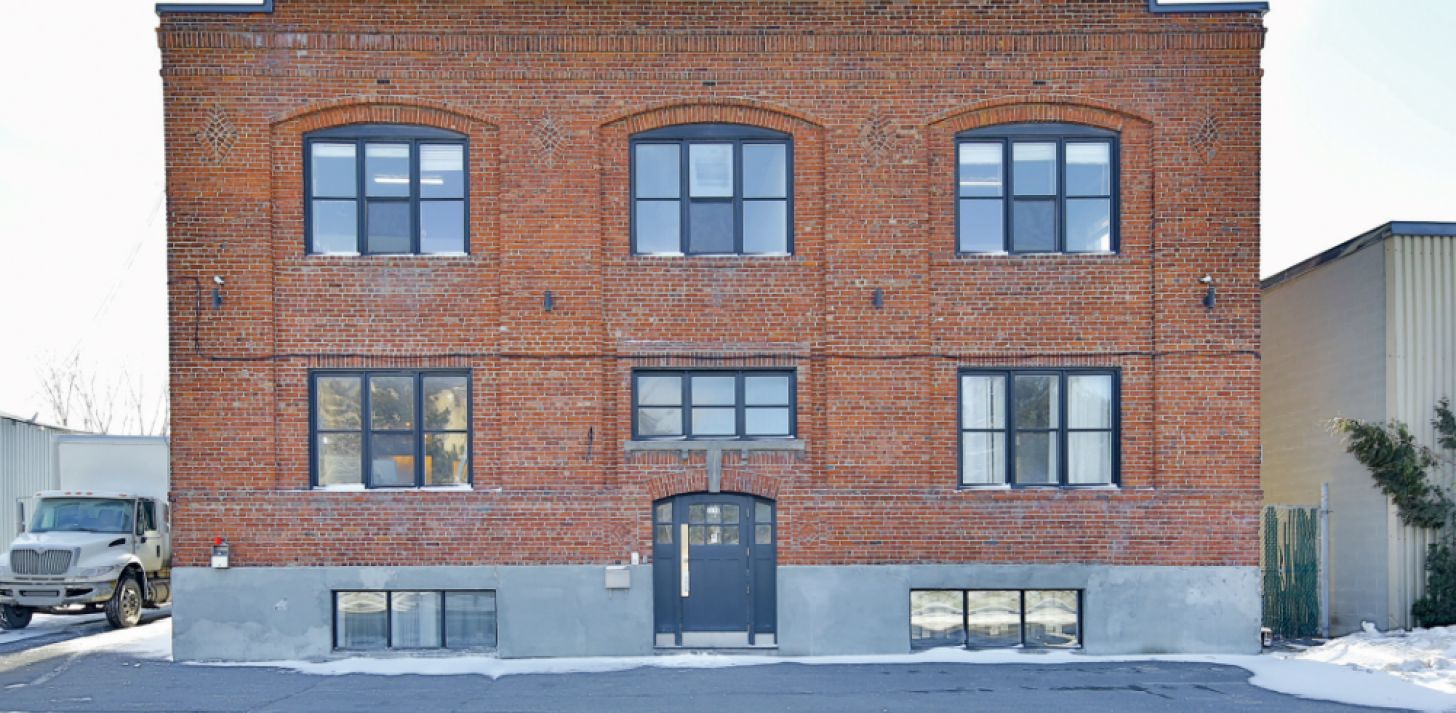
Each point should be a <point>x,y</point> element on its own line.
<point>999,618</point>
<point>379,620</point>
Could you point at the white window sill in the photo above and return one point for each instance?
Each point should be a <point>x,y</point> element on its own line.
<point>359,488</point>
<point>449,254</point>
<point>1050,486</point>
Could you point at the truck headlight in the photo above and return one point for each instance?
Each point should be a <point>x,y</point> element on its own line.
<point>99,571</point>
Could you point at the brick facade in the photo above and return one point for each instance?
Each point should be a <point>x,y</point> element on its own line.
<point>873,94</point>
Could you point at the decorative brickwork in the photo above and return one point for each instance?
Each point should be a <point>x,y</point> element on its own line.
<point>548,94</point>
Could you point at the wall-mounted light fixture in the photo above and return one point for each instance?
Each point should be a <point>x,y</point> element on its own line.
<point>878,299</point>
<point>217,291</point>
<point>548,301</point>
<point>1210,298</point>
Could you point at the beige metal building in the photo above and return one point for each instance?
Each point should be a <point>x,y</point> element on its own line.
<point>1366,330</point>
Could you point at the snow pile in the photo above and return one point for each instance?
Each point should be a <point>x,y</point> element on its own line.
<point>1423,656</point>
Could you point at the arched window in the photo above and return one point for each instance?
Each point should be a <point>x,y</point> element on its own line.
<point>712,189</point>
<point>1037,188</point>
<point>373,189</point>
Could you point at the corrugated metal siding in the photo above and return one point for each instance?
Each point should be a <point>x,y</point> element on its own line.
<point>1421,340</point>
<point>26,455</point>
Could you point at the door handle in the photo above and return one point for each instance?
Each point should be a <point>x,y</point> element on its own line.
<point>683,561</point>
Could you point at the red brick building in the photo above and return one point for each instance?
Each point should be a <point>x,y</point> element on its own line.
<point>594,328</point>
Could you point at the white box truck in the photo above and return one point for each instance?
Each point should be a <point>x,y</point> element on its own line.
<point>102,542</point>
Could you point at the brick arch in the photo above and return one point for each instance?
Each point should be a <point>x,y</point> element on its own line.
<point>1137,168</point>
<point>696,481</point>
<point>729,111</point>
<point>288,129</point>
<point>1055,108</point>
<point>382,110</point>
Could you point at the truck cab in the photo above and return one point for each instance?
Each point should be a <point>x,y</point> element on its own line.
<point>84,549</point>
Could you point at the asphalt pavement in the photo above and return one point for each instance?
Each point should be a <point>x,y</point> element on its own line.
<point>68,677</point>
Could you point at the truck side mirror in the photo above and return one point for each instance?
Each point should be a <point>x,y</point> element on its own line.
<point>20,516</point>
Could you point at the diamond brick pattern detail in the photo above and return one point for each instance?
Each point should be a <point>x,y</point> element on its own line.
<point>547,137</point>
<point>218,134</point>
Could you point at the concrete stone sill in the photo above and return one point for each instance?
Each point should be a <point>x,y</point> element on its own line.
<point>713,451</point>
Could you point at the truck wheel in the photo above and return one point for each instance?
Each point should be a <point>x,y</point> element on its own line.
<point>124,609</point>
<point>14,617</point>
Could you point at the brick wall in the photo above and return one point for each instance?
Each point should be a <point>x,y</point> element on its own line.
<point>873,93</point>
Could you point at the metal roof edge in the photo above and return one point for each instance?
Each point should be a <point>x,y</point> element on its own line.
<point>1358,243</point>
<point>265,7</point>
<point>1157,7</point>
<point>1154,6</point>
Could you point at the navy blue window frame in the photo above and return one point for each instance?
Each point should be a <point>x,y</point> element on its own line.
<point>361,134</point>
<point>685,135</point>
<point>417,433</point>
<point>1061,134</point>
<point>1009,429</point>
<point>739,405</point>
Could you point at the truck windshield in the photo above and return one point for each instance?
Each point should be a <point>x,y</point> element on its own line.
<point>82,515</point>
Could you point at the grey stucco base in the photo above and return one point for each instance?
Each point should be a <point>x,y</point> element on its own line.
<point>273,613</point>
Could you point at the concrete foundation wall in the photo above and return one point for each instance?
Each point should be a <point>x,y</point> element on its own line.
<point>271,613</point>
<point>268,613</point>
<point>854,610</point>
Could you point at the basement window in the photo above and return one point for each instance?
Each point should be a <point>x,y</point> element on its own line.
<point>380,620</point>
<point>386,190</point>
<point>984,619</point>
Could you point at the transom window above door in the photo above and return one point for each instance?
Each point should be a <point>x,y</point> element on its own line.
<point>1037,188</point>
<point>712,189</point>
<point>380,189</point>
<point>713,404</point>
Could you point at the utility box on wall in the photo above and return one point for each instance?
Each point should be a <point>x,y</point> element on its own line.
<point>618,577</point>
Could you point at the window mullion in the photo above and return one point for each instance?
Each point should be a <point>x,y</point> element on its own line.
<point>1063,470</point>
<point>366,427</point>
<point>361,201</point>
<point>738,197</point>
<point>685,199</point>
<point>1009,387</point>
<point>740,408</point>
<point>419,430</point>
<point>687,406</point>
<point>1008,199</point>
<point>414,199</point>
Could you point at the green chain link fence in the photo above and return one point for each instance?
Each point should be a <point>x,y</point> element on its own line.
<point>1290,565</point>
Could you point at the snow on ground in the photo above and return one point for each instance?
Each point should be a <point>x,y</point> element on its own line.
<point>1281,673</point>
<point>1392,670</point>
<point>45,624</point>
<point>1423,656</point>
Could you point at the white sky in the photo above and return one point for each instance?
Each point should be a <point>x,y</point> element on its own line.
<point>1359,119</point>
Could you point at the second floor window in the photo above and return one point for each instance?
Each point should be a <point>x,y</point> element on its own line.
<point>1039,427</point>
<point>1036,188</point>
<point>390,429</point>
<point>713,404</point>
<point>386,189</point>
<point>712,189</point>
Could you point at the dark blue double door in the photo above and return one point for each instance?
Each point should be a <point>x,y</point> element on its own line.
<point>713,568</point>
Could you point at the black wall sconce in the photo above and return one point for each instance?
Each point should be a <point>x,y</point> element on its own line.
<point>217,292</point>
<point>1210,298</point>
<point>878,299</point>
<point>549,301</point>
